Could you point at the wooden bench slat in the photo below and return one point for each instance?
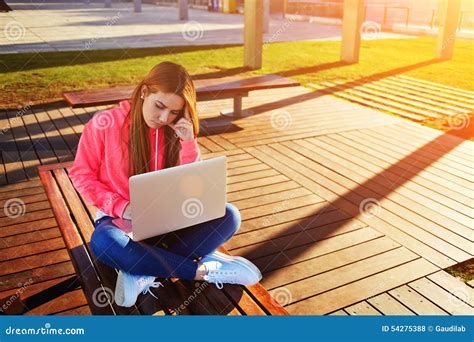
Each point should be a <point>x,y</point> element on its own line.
<point>77,250</point>
<point>209,89</point>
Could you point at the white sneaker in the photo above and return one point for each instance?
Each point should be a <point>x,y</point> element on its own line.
<point>129,286</point>
<point>216,255</point>
<point>222,269</point>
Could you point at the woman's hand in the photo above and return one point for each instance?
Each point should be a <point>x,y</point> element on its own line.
<point>127,213</point>
<point>184,128</point>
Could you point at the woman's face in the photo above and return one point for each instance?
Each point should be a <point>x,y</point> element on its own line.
<point>161,109</point>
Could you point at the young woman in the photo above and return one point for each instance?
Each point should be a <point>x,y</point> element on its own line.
<point>157,129</point>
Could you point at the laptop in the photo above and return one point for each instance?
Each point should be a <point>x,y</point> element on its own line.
<point>170,199</point>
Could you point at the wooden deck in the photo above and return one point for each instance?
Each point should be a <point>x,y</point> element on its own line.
<point>346,210</point>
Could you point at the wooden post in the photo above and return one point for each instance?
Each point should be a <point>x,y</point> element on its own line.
<point>266,16</point>
<point>351,24</point>
<point>108,3</point>
<point>137,6</point>
<point>183,9</point>
<point>253,35</point>
<point>449,18</point>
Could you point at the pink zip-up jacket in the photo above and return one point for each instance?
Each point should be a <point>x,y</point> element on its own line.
<point>100,169</point>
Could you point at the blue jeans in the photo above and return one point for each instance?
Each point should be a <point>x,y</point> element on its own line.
<point>169,255</point>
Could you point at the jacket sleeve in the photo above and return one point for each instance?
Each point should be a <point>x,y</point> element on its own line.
<point>85,170</point>
<point>190,152</point>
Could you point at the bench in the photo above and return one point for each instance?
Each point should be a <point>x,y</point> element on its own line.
<point>206,90</point>
<point>176,297</point>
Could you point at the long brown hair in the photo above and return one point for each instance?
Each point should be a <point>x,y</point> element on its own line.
<point>167,77</point>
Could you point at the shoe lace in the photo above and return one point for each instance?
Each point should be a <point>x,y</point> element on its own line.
<point>216,278</point>
<point>147,288</point>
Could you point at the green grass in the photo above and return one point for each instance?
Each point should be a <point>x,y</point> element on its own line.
<point>463,271</point>
<point>42,77</point>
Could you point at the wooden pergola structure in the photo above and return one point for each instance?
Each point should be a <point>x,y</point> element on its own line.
<point>256,19</point>
<point>352,21</point>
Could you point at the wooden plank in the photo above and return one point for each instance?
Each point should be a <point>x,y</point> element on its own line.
<point>458,149</point>
<point>434,161</point>
<point>416,302</point>
<point>328,223</point>
<point>56,141</point>
<point>64,302</point>
<point>462,147</point>
<point>29,199</point>
<point>318,262</point>
<point>247,169</point>
<point>396,201</point>
<point>307,289</point>
<point>272,198</point>
<point>28,227</point>
<point>291,256</point>
<point>339,313</point>
<point>388,305</point>
<point>441,297</point>
<point>454,286</point>
<point>298,168</point>
<point>436,86</point>
<point>251,176</point>
<point>79,311</point>
<point>24,144</point>
<point>209,144</point>
<point>10,152</point>
<point>263,190</point>
<point>359,290</point>
<point>363,101</point>
<point>27,208</point>
<point>421,177</point>
<point>418,186</point>
<point>286,216</point>
<point>36,275</point>
<point>20,185</point>
<point>38,138</point>
<point>362,309</point>
<point>386,208</point>
<point>26,238</point>
<point>21,192</point>
<point>33,261</point>
<point>74,243</point>
<point>251,184</point>
<point>283,205</point>
<point>443,96</point>
<point>417,98</point>
<point>12,253</point>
